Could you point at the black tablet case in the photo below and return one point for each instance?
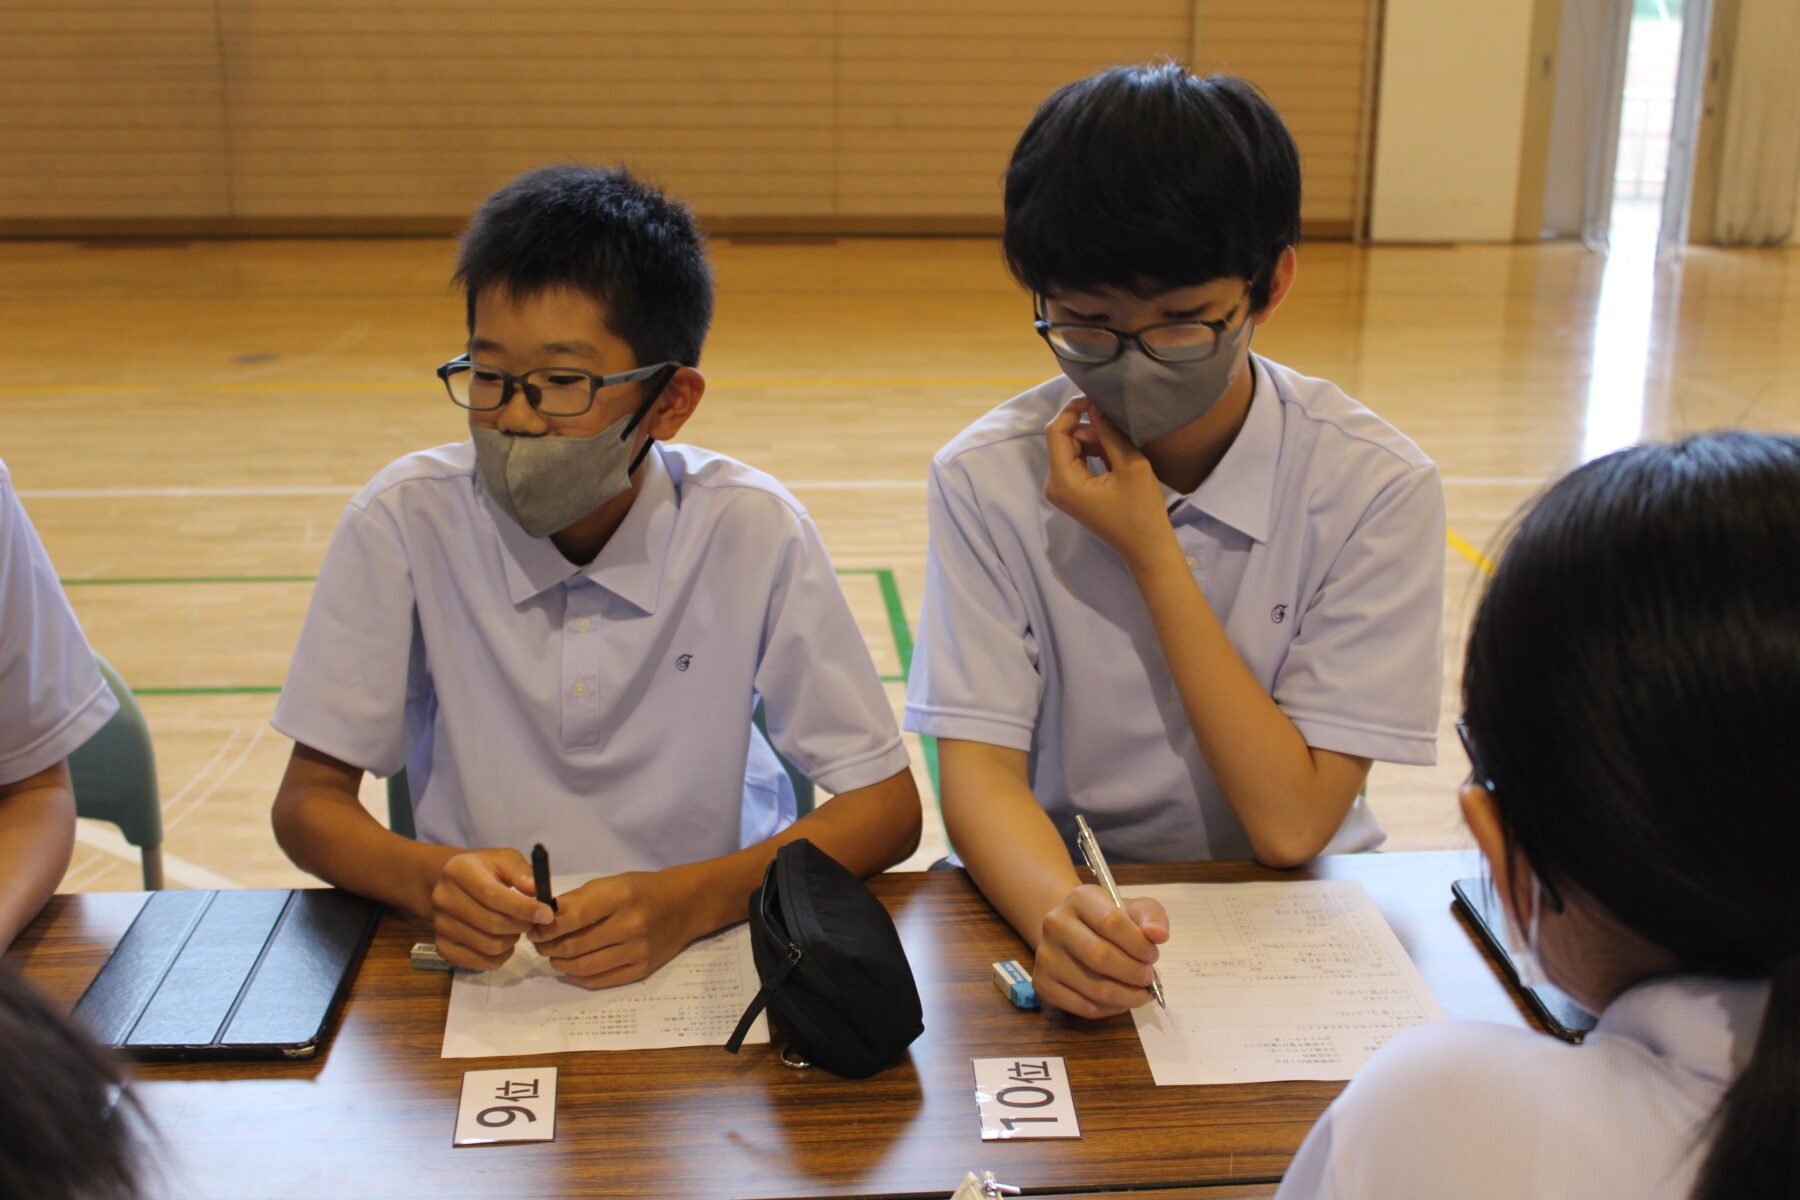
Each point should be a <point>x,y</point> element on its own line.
<point>241,974</point>
<point>1560,1015</point>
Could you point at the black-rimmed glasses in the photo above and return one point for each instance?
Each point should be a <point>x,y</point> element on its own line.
<point>1478,775</point>
<point>552,391</point>
<point>1171,341</point>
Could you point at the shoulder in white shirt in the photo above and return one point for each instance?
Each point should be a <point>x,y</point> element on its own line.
<point>1483,1112</point>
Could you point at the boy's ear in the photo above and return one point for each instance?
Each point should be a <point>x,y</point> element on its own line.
<point>679,398</point>
<point>1280,283</point>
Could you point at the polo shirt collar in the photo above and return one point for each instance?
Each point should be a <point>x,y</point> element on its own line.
<point>629,566</point>
<point>1241,490</point>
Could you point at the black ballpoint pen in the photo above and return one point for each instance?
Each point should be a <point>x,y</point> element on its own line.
<point>540,874</point>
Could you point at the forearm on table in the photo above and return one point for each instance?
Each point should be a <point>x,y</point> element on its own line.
<point>1004,837</point>
<point>37,837</point>
<point>867,829</point>
<point>323,827</point>
<point>1289,797</point>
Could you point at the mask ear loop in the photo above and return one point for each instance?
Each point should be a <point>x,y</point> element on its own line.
<point>638,416</point>
<point>1537,915</point>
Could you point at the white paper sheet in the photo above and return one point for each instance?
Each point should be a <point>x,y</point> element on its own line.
<point>526,1007</point>
<point>1273,981</point>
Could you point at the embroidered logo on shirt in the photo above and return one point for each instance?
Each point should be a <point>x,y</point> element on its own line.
<point>1278,614</point>
<point>684,662</point>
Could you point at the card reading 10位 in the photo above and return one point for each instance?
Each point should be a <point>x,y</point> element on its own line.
<point>1024,1098</point>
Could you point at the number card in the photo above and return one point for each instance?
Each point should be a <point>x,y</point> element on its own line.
<point>1024,1098</point>
<point>516,1105</point>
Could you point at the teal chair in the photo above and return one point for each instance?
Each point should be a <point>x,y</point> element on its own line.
<point>400,813</point>
<point>114,776</point>
<point>400,817</point>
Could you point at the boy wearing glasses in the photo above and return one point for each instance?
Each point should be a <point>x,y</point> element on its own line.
<point>560,627</point>
<point>1181,590</point>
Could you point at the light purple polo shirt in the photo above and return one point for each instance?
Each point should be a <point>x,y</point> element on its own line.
<point>1319,543</point>
<point>52,697</point>
<point>603,710</point>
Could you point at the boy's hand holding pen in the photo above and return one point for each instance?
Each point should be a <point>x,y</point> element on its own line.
<point>481,903</point>
<point>1096,861</point>
<point>1095,948</point>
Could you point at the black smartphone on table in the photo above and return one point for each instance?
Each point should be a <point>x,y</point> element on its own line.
<point>1549,1004</point>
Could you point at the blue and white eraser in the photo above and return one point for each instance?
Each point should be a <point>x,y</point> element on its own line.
<point>1015,984</point>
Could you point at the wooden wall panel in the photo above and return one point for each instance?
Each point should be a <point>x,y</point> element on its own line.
<point>393,108</point>
<point>933,93</point>
<point>1315,61</point>
<point>111,110</point>
<point>848,114</point>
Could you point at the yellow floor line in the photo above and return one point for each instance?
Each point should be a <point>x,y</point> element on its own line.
<point>1463,547</point>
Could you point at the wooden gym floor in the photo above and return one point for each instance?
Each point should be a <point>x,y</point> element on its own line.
<point>185,422</point>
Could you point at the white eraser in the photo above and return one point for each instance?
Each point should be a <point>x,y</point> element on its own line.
<point>425,957</point>
<point>1015,984</point>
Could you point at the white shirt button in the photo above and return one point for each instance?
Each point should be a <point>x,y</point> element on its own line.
<point>1193,563</point>
<point>579,690</point>
<point>582,624</point>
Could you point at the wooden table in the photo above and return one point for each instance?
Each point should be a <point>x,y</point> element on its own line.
<point>373,1116</point>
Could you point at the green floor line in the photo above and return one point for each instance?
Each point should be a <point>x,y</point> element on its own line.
<point>929,746</point>
<point>903,646</point>
<point>890,596</point>
<point>205,691</point>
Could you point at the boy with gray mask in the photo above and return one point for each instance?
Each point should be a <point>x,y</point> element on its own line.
<point>1181,590</point>
<point>560,627</point>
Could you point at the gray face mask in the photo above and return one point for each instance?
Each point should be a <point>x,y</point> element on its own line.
<point>1146,398</point>
<point>548,483</point>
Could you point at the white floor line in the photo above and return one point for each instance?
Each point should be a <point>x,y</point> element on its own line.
<point>175,870</point>
<point>76,879</point>
<point>797,485</point>
<point>219,779</point>
<point>180,492</point>
<point>231,736</point>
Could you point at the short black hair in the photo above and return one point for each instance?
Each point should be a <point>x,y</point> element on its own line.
<point>1146,178</point>
<point>606,233</point>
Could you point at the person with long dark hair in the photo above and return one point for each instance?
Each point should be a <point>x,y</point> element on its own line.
<point>1629,703</point>
<point>69,1127</point>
